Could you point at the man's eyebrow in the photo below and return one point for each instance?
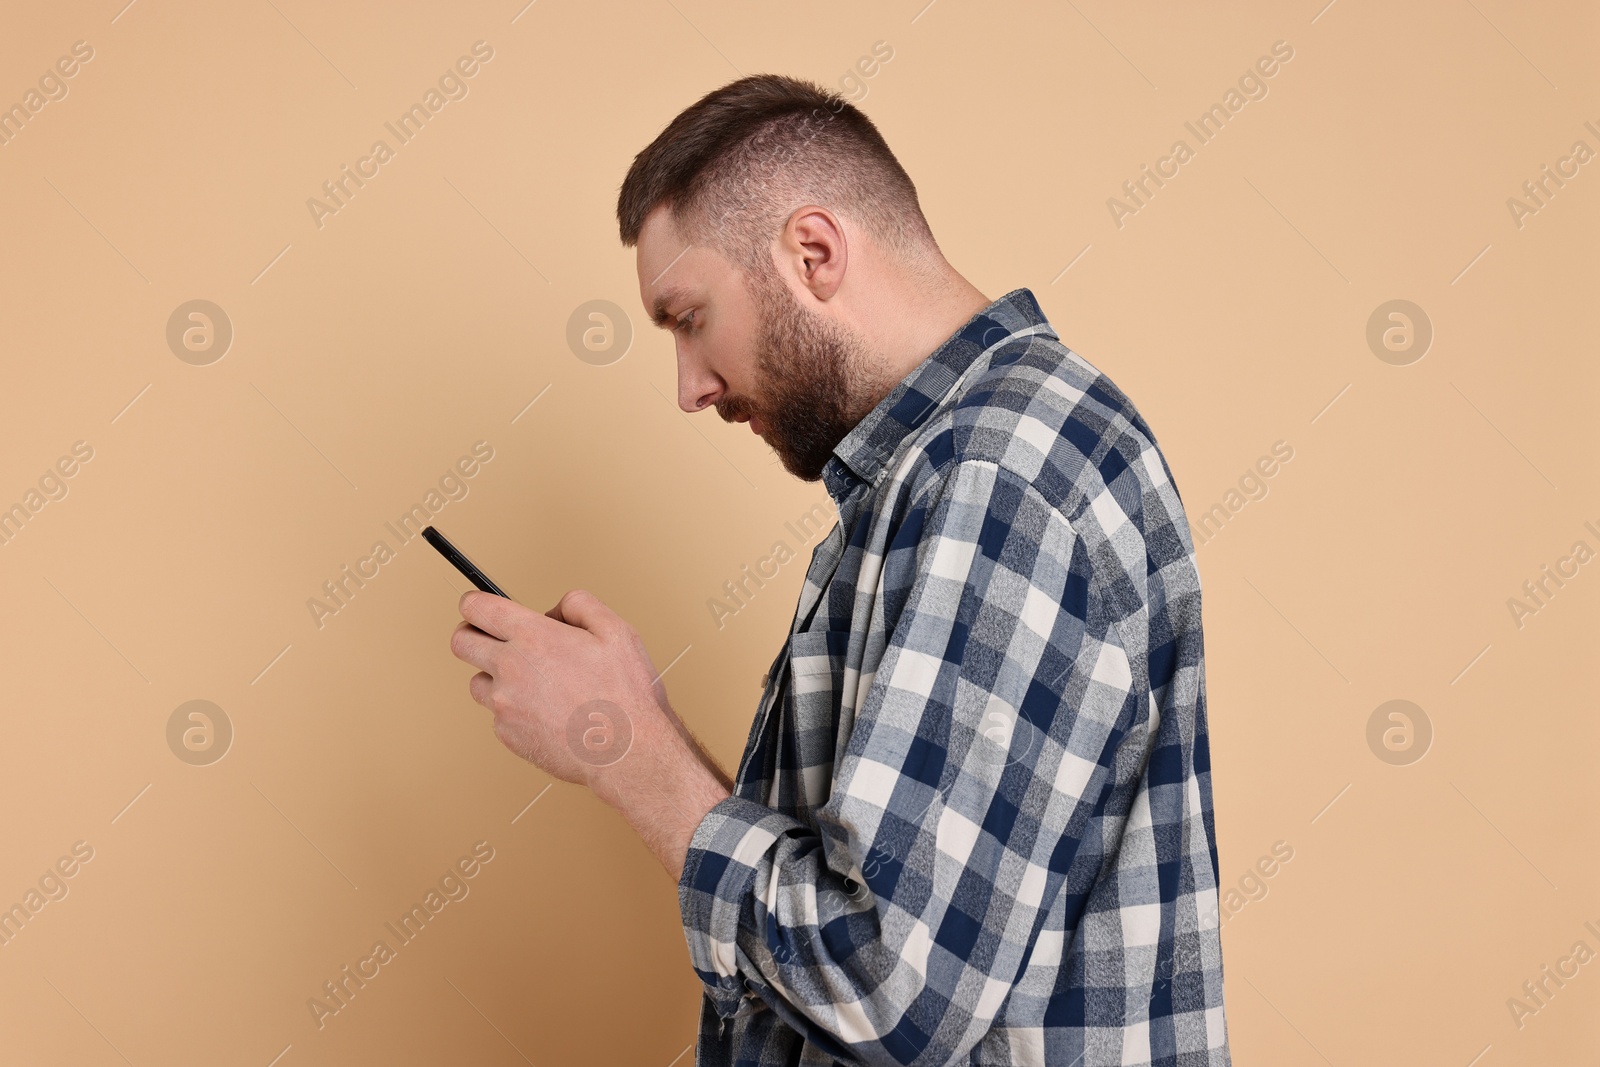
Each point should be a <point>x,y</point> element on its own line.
<point>658,310</point>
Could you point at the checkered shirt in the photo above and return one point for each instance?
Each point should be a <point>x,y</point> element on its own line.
<point>973,820</point>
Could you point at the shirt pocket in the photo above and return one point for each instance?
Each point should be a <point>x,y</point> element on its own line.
<point>817,676</point>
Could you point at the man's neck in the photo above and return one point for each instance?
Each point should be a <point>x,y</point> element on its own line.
<point>923,319</point>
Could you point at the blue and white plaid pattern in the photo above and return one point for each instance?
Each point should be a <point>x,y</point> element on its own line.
<point>973,821</point>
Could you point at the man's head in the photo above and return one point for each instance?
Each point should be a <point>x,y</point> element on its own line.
<point>773,226</point>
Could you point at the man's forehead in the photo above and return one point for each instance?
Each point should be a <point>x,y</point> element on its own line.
<point>670,267</point>
<point>660,245</point>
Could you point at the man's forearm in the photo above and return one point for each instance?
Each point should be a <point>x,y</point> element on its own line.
<point>663,790</point>
<point>711,765</point>
<point>694,743</point>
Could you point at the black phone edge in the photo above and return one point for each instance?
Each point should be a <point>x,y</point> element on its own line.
<point>460,562</point>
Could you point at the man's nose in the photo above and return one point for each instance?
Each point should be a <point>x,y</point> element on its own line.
<point>698,388</point>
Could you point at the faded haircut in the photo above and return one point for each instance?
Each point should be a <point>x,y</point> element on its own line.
<point>733,166</point>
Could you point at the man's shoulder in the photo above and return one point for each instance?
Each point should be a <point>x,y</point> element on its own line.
<point>1037,437</point>
<point>1047,417</point>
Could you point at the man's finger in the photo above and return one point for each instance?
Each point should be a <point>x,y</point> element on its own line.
<point>471,645</point>
<point>479,686</point>
<point>581,608</point>
<point>494,615</point>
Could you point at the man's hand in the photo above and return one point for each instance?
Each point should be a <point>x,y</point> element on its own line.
<point>574,692</point>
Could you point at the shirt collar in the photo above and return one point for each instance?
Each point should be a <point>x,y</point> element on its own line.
<point>861,456</point>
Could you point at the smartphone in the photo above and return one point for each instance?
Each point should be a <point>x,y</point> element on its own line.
<point>462,563</point>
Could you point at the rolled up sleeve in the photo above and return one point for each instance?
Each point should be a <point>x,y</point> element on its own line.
<point>977,737</point>
<point>733,843</point>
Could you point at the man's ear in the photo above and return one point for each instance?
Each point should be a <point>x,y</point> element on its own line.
<point>812,249</point>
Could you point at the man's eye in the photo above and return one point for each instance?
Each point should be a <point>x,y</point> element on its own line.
<point>684,320</point>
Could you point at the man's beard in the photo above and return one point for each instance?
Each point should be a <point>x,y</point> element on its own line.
<point>816,378</point>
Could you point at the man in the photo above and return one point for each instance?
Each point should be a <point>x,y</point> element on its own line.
<point>973,821</point>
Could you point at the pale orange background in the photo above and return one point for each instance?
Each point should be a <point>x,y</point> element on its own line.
<point>370,353</point>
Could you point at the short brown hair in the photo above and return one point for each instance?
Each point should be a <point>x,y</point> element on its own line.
<point>734,164</point>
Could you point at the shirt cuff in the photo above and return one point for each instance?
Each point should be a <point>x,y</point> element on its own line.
<point>728,847</point>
